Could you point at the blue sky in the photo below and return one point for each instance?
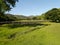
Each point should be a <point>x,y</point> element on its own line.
<point>34,7</point>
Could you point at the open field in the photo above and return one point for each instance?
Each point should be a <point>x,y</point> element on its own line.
<point>29,22</point>
<point>30,35</point>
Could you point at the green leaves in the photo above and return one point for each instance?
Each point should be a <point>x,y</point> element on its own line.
<point>6,5</point>
<point>53,15</point>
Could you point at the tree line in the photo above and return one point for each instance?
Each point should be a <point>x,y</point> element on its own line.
<point>53,15</point>
<point>6,5</point>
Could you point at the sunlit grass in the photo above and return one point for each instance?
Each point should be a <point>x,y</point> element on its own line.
<point>45,35</point>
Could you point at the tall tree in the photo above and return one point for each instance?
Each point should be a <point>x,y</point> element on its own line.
<point>6,5</point>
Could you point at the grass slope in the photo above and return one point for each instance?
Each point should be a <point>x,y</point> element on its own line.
<point>48,35</point>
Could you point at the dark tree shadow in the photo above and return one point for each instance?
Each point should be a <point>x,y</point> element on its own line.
<point>23,25</point>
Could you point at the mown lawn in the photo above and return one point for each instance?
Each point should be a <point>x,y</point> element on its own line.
<point>43,35</point>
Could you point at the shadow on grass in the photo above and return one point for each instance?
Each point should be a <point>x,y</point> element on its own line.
<point>12,36</point>
<point>16,25</point>
<point>23,25</point>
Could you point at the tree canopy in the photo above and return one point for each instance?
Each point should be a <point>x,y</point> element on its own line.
<point>6,5</point>
<point>53,15</point>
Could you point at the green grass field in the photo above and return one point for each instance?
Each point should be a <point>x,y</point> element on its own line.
<point>41,35</point>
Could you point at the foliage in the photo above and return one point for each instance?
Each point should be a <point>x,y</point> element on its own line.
<point>53,15</point>
<point>41,17</point>
<point>7,17</point>
<point>6,5</point>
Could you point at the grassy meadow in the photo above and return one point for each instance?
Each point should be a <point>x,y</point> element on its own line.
<point>31,22</point>
<point>47,34</point>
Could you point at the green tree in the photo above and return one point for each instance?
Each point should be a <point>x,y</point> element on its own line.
<point>6,5</point>
<point>53,15</point>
